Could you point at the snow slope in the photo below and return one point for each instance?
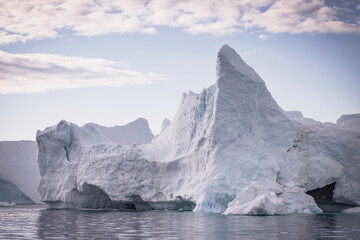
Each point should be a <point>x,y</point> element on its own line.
<point>229,149</point>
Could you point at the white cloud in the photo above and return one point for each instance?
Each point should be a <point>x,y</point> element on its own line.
<point>21,73</point>
<point>264,53</point>
<point>298,16</point>
<point>251,52</point>
<point>35,19</point>
<point>262,37</point>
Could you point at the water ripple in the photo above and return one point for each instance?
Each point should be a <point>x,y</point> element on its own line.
<point>36,222</point>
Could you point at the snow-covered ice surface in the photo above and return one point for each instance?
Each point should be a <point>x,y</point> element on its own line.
<point>137,132</point>
<point>230,149</point>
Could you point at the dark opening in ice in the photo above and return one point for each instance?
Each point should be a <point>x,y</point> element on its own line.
<point>324,199</point>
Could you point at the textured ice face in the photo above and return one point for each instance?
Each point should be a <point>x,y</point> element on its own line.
<point>256,199</point>
<point>219,144</point>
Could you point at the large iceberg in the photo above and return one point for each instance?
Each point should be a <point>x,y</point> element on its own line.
<point>230,149</point>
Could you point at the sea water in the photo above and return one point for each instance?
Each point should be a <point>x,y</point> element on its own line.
<point>37,222</point>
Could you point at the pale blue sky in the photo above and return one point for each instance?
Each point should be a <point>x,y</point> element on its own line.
<point>315,70</point>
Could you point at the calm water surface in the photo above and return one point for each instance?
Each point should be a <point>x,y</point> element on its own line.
<point>36,222</point>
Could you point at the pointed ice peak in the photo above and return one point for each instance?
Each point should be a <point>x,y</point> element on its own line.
<point>231,55</point>
<point>228,55</point>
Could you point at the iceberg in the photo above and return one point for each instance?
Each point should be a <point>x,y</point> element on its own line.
<point>229,149</point>
<point>256,199</point>
<point>6,204</point>
<point>18,165</point>
<point>10,195</point>
<point>352,210</point>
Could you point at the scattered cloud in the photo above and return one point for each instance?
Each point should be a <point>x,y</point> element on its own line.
<point>262,37</point>
<point>298,16</point>
<point>264,53</point>
<point>21,21</point>
<point>21,73</point>
<point>251,52</point>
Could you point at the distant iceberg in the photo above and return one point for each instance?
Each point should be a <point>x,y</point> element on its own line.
<point>6,204</point>
<point>19,172</point>
<point>352,210</point>
<point>230,149</point>
<point>10,195</point>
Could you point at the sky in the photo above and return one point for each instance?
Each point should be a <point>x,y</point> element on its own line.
<point>111,62</point>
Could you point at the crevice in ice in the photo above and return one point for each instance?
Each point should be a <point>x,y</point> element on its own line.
<point>67,153</point>
<point>67,148</point>
<point>71,134</point>
<point>295,144</point>
<point>324,199</point>
<point>202,105</point>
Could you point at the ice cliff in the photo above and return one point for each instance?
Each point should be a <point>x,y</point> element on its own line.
<point>230,149</point>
